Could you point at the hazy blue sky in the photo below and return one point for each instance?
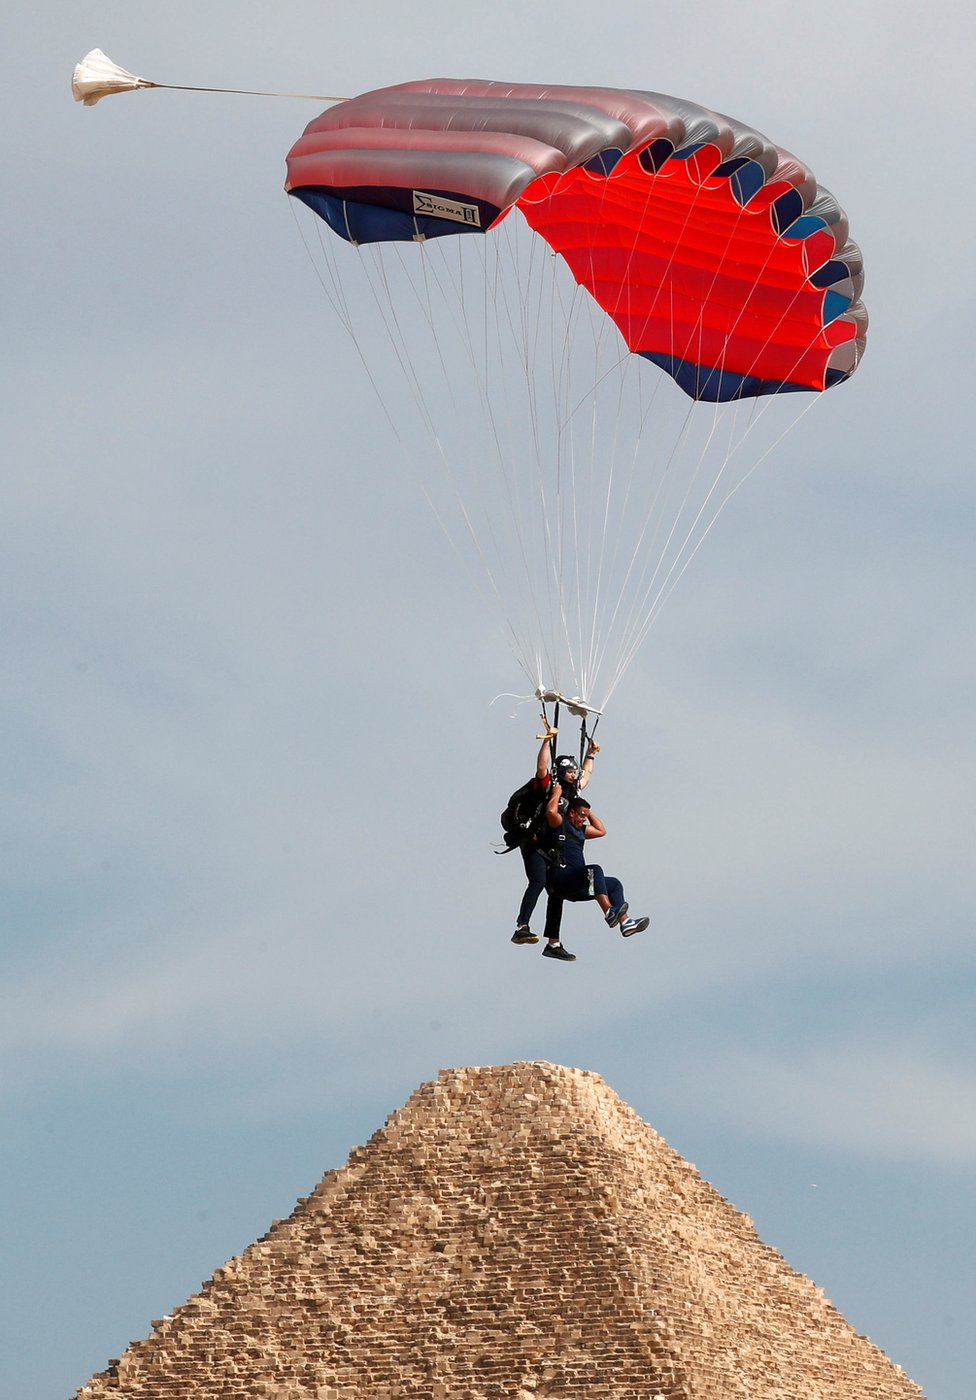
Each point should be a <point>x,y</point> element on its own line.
<point>252,768</point>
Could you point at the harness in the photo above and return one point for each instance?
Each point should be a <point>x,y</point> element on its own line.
<point>523,818</point>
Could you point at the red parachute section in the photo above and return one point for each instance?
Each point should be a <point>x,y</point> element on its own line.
<point>690,276</point>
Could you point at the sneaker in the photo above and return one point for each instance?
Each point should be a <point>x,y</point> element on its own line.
<point>631,926</point>
<point>523,934</point>
<point>615,915</point>
<point>556,950</point>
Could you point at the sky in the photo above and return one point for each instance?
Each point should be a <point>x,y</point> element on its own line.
<point>253,753</point>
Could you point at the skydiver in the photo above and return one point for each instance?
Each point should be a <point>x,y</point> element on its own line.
<point>571,781</point>
<point>572,879</point>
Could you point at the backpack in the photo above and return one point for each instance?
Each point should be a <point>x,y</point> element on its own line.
<point>523,820</point>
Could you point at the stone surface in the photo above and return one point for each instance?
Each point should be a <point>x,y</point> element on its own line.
<point>516,1232</point>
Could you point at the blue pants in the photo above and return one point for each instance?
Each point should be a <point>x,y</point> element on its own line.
<point>576,886</point>
<point>536,870</point>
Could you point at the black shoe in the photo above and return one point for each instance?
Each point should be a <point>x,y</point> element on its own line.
<point>523,934</point>
<point>615,915</point>
<point>631,926</point>
<point>556,950</point>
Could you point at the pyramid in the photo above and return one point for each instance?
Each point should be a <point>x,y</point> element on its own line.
<point>512,1233</point>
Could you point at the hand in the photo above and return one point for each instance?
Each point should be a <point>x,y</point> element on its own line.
<point>593,749</point>
<point>550,733</point>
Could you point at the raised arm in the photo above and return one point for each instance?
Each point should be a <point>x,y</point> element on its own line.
<point>553,815</point>
<point>544,762</point>
<point>594,826</point>
<point>586,773</point>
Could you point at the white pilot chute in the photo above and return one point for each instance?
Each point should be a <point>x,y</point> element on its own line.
<point>96,76</point>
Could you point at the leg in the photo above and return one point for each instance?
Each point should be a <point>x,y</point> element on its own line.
<point>615,890</point>
<point>599,887</point>
<point>554,917</point>
<point>617,918</point>
<point>535,874</point>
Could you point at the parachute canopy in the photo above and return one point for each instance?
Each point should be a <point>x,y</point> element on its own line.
<point>715,253</point>
<point>651,229</point>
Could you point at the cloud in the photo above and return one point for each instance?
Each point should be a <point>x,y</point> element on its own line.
<point>901,1100</point>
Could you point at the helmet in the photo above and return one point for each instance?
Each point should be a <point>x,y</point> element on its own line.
<point>565,763</point>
